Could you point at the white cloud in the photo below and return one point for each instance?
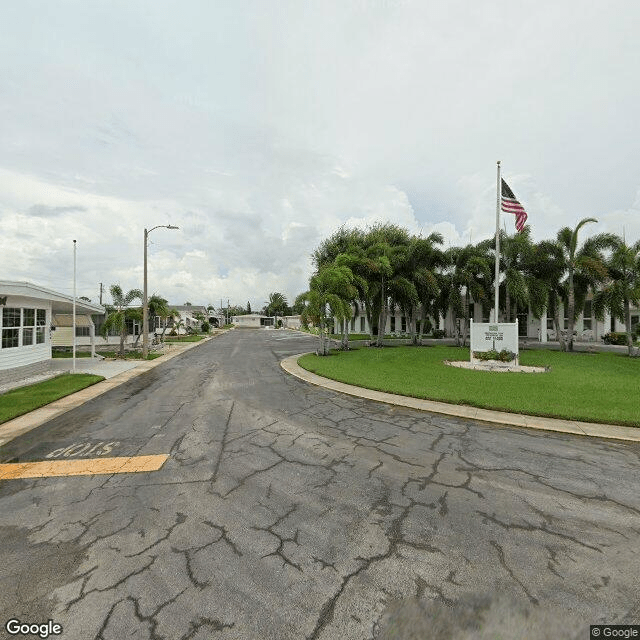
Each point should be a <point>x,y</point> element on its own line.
<point>260,129</point>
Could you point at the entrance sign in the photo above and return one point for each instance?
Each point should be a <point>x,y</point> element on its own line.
<point>494,336</point>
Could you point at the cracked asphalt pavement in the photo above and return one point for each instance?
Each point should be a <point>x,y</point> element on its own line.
<point>289,511</point>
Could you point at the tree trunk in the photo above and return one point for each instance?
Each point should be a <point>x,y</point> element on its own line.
<point>571,304</point>
<point>556,324</point>
<point>369,315</point>
<point>321,350</point>
<point>382,318</point>
<point>627,320</point>
<point>423,317</point>
<point>345,335</point>
<point>412,325</point>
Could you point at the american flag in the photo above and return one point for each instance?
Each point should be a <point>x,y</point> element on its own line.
<point>511,205</point>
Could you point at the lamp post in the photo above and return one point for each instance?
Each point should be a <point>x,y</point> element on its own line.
<point>145,305</point>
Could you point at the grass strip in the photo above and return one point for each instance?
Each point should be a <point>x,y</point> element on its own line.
<point>592,387</point>
<point>17,402</point>
<point>184,339</point>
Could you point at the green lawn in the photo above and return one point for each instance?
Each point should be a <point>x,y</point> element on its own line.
<point>184,338</point>
<point>19,401</point>
<point>594,387</point>
<point>129,355</point>
<point>69,354</point>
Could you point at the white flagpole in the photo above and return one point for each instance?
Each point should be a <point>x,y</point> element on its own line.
<point>73,330</point>
<point>497,274</point>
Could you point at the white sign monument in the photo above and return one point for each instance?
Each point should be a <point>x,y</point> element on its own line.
<point>494,336</point>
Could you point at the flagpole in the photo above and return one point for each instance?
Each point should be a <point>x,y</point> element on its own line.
<point>73,330</point>
<point>497,273</point>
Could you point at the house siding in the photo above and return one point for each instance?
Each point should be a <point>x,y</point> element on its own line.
<point>21,356</point>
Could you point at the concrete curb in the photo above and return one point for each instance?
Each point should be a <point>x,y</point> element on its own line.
<point>29,421</point>
<point>590,429</point>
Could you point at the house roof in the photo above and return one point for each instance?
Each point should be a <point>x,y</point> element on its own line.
<point>60,302</point>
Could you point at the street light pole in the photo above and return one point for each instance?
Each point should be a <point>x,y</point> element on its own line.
<point>145,302</point>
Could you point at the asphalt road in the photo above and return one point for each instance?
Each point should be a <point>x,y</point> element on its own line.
<point>289,511</point>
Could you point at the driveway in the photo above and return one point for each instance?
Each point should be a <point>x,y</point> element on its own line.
<point>289,511</point>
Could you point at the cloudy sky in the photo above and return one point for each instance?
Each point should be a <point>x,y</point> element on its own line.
<point>261,127</point>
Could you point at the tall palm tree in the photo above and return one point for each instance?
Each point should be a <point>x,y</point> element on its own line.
<point>469,278</point>
<point>622,288</point>
<point>545,271</point>
<point>331,287</point>
<point>277,305</point>
<point>584,266</point>
<point>119,312</point>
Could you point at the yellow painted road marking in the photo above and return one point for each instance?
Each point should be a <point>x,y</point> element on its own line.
<point>86,467</point>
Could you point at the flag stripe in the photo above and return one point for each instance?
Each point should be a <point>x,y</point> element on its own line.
<point>509,204</point>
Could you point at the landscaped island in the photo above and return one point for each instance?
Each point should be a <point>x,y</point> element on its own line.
<point>594,387</point>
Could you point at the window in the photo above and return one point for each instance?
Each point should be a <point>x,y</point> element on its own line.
<point>28,317</point>
<point>20,324</point>
<point>586,315</point>
<point>353,324</point>
<point>549,323</point>
<point>10,317</point>
<point>82,332</point>
<point>27,336</point>
<point>393,324</point>
<point>361,324</point>
<point>403,324</point>
<point>10,338</point>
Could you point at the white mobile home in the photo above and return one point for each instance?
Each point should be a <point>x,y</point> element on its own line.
<point>28,319</point>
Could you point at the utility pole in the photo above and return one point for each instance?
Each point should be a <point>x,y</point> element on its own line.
<point>101,288</point>
<point>228,311</point>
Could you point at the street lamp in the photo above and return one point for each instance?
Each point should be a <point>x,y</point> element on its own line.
<point>145,306</point>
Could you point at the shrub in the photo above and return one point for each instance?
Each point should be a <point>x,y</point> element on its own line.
<point>173,332</point>
<point>503,356</point>
<point>615,337</point>
<point>439,333</point>
<point>205,327</point>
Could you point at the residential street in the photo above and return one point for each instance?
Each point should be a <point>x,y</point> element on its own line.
<point>287,511</point>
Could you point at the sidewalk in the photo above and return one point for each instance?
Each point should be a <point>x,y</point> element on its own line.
<point>116,373</point>
<point>608,431</point>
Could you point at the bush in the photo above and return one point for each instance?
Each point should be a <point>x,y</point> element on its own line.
<point>173,332</point>
<point>439,333</point>
<point>615,337</point>
<point>205,327</point>
<point>503,356</point>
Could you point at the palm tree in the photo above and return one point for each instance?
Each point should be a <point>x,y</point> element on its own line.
<point>119,312</point>
<point>277,305</point>
<point>584,266</point>
<point>545,272</point>
<point>469,278</point>
<point>331,288</point>
<point>169,314</point>
<point>423,260</point>
<point>622,288</point>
